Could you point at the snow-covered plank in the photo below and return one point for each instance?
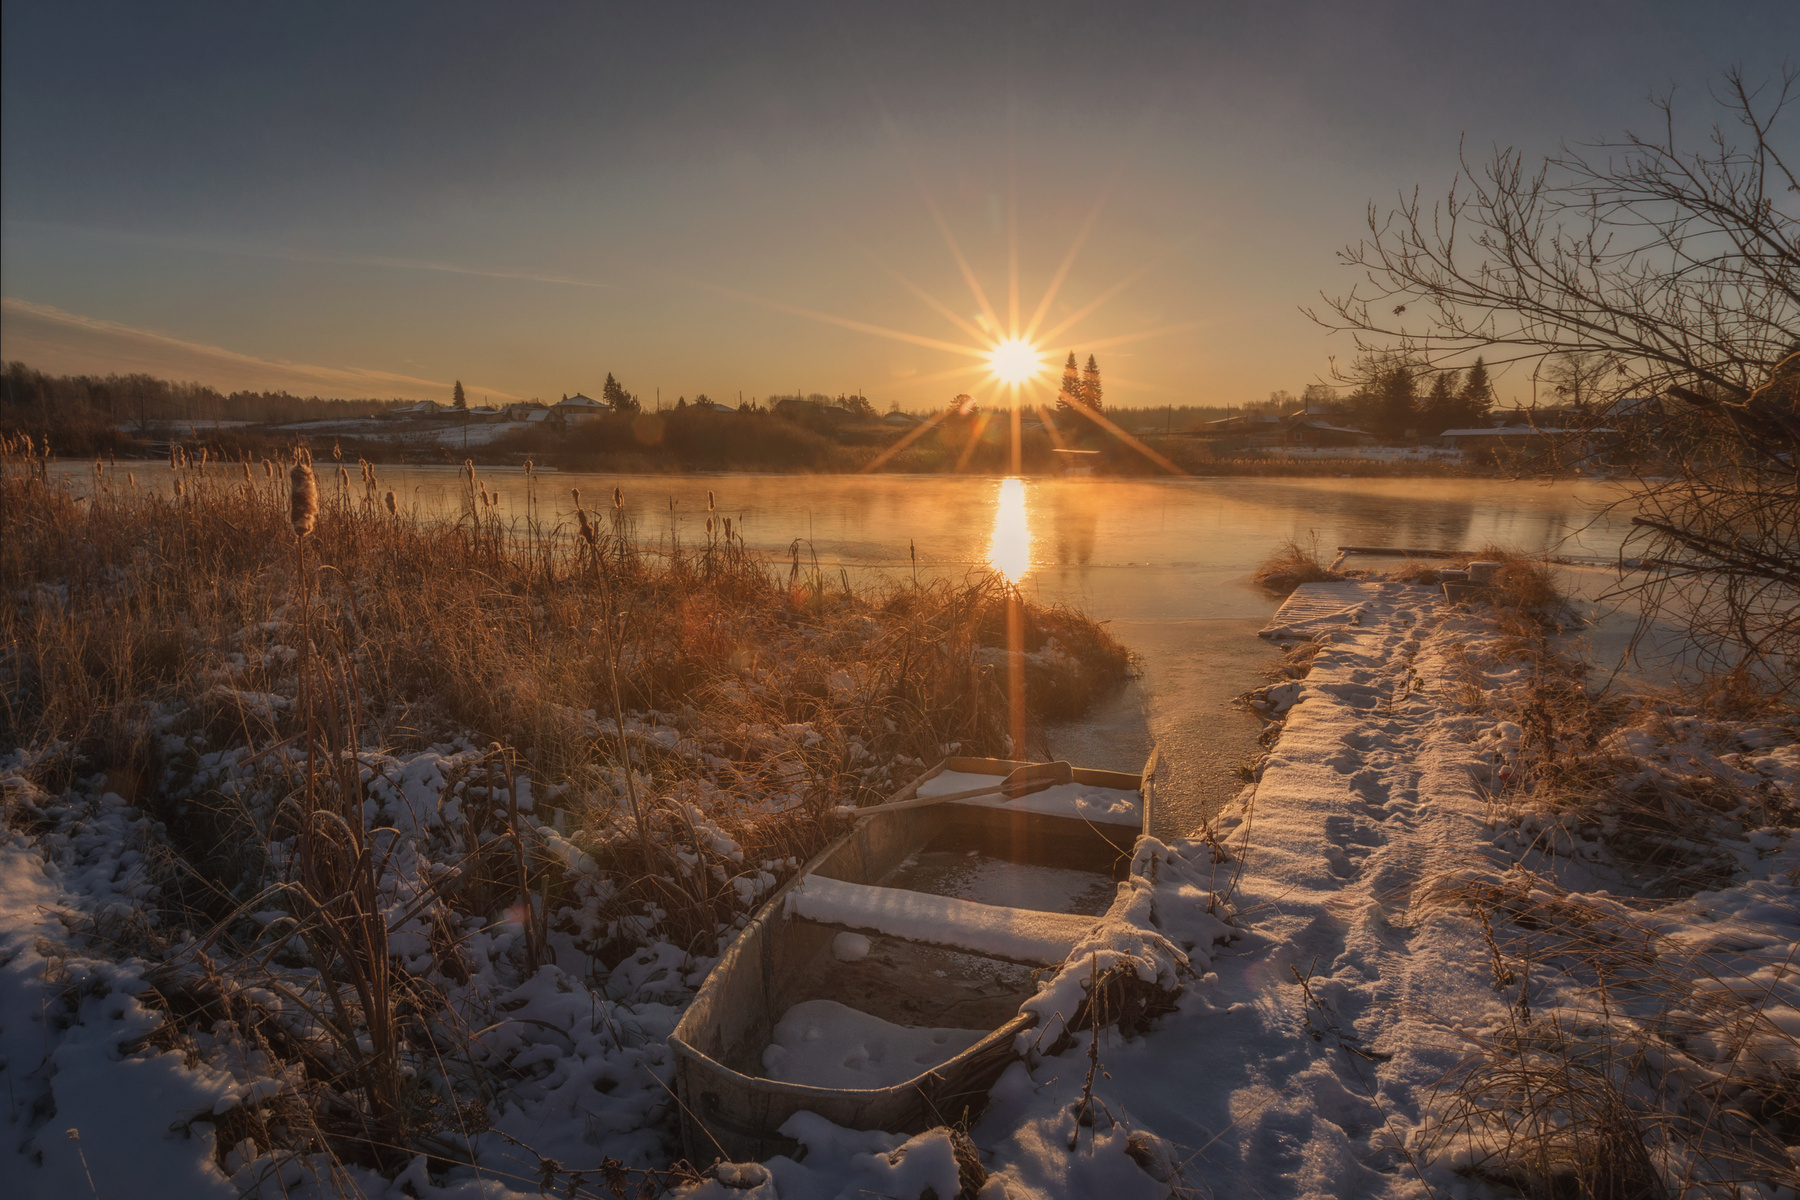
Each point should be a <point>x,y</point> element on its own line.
<point>1099,805</point>
<point>1313,607</point>
<point>1018,934</point>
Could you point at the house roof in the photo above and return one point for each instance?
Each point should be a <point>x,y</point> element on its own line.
<point>1326,427</point>
<point>1515,431</point>
<point>580,401</point>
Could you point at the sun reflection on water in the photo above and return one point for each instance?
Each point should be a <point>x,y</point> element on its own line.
<point>1010,550</point>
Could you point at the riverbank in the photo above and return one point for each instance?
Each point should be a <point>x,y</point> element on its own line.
<point>678,443</point>
<point>1471,953</point>
<point>315,846</point>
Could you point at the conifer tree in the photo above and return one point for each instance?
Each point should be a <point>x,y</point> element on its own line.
<point>1071,385</point>
<point>1442,408</point>
<point>457,399</point>
<point>1396,402</point>
<point>1090,385</point>
<point>616,396</point>
<point>1477,396</point>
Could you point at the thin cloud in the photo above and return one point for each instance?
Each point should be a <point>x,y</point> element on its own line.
<point>52,338</point>
<point>291,254</point>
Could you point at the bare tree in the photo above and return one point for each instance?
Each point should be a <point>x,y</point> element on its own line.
<point>1657,284</point>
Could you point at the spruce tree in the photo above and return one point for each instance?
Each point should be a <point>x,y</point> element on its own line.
<point>1090,385</point>
<point>1396,403</point>
<point>457,399</point>
<point>1071,385</point>
<point>1442,409</point>
<point>1477,396</point>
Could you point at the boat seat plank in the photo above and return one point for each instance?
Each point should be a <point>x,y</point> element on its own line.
<point>1017,934</point>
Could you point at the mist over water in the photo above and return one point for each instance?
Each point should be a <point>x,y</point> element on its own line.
<point>1123,549</point>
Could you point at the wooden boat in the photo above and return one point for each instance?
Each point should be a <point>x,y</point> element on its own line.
<point>880,988</point>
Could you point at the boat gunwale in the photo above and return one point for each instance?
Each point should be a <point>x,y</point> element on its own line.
<point>774,909</point>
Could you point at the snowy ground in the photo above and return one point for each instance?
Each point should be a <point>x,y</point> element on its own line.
<point>1320,1009</point>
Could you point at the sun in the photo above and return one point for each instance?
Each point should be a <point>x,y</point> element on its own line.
<point>1015,361</point>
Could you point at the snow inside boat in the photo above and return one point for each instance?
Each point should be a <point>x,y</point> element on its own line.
<point>880,988</point>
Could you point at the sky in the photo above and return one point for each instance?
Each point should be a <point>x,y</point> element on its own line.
<point>378,200</point>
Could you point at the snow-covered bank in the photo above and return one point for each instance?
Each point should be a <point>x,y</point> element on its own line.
<point>1366,1031</point>
<point>1414,939</point>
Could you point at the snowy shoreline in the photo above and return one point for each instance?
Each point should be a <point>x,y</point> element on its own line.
<point>1304,1056</point>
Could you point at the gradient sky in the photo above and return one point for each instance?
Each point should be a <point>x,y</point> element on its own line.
<point>378,199</point>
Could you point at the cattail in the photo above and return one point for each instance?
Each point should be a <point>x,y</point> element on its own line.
<point>303,499</point>
<point>246,470</point>
<point>528,466</point>
<point>484,498</point>
<point>618,498</point>
<point>393,506</point>
<point>178,492</point>
<point>728,529</point>
<point>174,457</point>
<point>709,526</point>
<point>131,478</point>
<point>204,454</point>
<point>268,469</point>
<point>337,451</point>
<point>710,506</point>
<point>587,531</point>
<point>343,477</point>
<point>576,492</point>
<point>98,466</point>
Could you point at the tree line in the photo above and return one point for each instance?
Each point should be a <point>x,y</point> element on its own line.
<point>144,401</point>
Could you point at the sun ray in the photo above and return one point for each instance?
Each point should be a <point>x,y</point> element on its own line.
<point>1126,338</point>
<point>949,373</point>
<point>848,323</point>
<point>944,310</point>
<point>1101,420</point>
<point>1018,433</point>
<point>977,429</point>
<point>912,435</point>
<point>1012,243</point>
<point>1062,272</point>
<point>1051,335</point>
<point>1048,417</point>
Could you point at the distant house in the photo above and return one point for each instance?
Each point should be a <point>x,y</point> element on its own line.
<point>1523,441</point>
<point>900,419</point>
<point>1303,430</point>
<point>712,406</point>
<point>811,412</point>
<point>483,413</point>
<point>581,408</point>
<point>424,408</point>
<point>1246,431</point>
<point>522,410</point>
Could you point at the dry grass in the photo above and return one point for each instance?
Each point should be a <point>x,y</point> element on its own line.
<point>1291,565</point>
<point>1660,1066</point>
<point>147,630</point>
